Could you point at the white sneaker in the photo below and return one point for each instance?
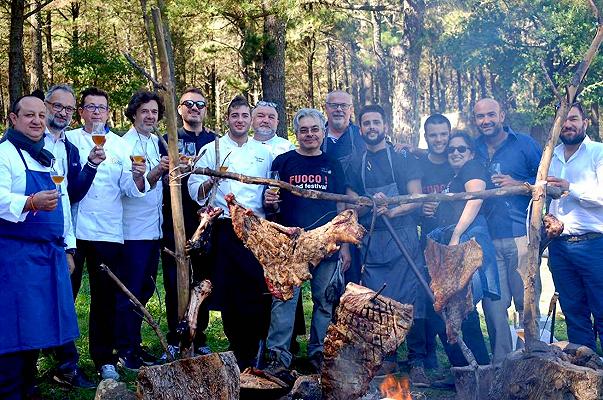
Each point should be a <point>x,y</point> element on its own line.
<point>174,350</point>
<point>108,371</point>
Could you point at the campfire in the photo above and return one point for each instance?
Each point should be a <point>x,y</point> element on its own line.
<point>395,388</point>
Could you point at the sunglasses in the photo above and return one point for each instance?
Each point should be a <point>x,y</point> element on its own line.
<point>263,103</point>
<point>189,104</point>
<point>460,149</point>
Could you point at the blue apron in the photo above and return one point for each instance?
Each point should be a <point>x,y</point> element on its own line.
<point>385,263</point>
<point>36,302</point>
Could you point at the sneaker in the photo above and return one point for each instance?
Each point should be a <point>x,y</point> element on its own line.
<point>74,378</point>
<point>203,351</point>
<point>146,357</point>
<point>130,360</point>
<point>446,383</point>
<point>108,371</point>
<point>316,361</point>
<point>174,351</point>
<point>418,377</point>
<point>277,370</point>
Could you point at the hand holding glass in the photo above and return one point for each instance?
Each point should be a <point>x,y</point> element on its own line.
<point>56,175</point>
<point>274,189</point>
<point>98,133</point>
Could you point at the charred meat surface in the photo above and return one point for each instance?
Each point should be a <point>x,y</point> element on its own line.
<point>451,269</point>
<point>368,327</point>
<point>287,253</point>
<point>200,239</point>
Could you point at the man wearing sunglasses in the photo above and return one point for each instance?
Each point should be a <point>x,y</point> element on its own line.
<point>512,158</point>
<point>264,122</point>
<point>60,106</point>
<point>192,107</point>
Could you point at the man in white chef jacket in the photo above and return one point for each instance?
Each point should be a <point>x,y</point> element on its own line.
<point>98,220</point>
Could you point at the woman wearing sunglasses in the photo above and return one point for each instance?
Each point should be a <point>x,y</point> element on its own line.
<point>460,221</point>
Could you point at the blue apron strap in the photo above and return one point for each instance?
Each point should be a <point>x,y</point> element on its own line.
<point>22,158</point>
<point>363,168</point>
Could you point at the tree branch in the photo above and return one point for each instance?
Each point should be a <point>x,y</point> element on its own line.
<point>147,316</point>
<point>37,9</point>
<point>525,189</point>
<point>549,79</point>
<point>347,5</point>
<point>156,85</point>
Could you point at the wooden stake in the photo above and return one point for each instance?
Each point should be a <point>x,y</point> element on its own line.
<point>182,261</point>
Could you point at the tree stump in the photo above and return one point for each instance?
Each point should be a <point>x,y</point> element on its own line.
<point>214,376</point>
<point>573,374</point>
<point>110,389</point>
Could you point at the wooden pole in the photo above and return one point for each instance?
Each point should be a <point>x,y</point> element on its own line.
<point>528,274</point>
<point>524,189</point>
<point>182,261</point>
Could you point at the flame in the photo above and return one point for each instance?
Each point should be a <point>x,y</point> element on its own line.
<point>396,389</point>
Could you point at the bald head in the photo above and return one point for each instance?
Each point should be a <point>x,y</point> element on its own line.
<point>339,110</point>
<point>29,117</point>
<point>489,117</point>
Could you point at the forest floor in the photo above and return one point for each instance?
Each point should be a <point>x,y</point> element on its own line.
<point>217,342</point>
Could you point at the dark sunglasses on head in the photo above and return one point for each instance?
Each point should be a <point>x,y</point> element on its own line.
<point>189,104</point>
<point>460,149</point>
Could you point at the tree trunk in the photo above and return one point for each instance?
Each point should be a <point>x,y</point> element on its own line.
<point>310,42</point>
<point>382,70</point>
<point>37,52</point>
<point>472,92</point>
<point>459,91</point>
<point>442,86</point>
<point>406,59</point>
<point>596,128</point>
<point>273,68</point>
<point>49,50</point>
<point>432,107</point>
<point>16,58</point>
<point>147,29</point>
<point>481,79</point>
<point>330,66</point>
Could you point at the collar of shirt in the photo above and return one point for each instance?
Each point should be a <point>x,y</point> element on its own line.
<point>51,136</point>
<point>559,151</point>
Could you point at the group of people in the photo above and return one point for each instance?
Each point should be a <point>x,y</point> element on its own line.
<point>112,209</point>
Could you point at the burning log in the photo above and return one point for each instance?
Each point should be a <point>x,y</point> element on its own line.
<point>199,294</point>
<point>286,253</point>
<point>451,269</point>
<point>214,376</point>
<point>368,326</point>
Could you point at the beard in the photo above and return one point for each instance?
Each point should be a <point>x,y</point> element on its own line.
<point>374,141</point>
<point>265,133</point>
<point>573,140</point>
<point>56,125</point>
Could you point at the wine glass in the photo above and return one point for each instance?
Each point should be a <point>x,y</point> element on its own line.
<point>495,168</point>
<point>98,133</point>
<point>138,153</point>
<point>274,189</point>
<point>56,174</point>
<point>190,149</point>
<point>180,146</point>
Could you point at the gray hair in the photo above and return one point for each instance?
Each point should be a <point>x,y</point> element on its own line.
<point>61,86</point>
<point>308,112</point>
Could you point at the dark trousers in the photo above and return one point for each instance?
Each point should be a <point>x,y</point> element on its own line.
<point>101,334</point>
<point>201,266</point>
<point>241,293</point>
<point>421,346</point>
<point>139,274</point>
<point>17,374</point>
<point>577,269</point>
<point>66,356</point>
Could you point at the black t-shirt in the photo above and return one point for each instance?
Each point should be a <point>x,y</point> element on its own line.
<point>321,173</point>
<point>189,206</point>
<point>435,180</point>
<point>449,212</point>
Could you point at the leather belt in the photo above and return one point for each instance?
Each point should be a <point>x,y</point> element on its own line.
<point>579,238</point>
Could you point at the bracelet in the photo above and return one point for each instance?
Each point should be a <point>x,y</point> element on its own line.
<point>31,202</point>
<point>92,165</point>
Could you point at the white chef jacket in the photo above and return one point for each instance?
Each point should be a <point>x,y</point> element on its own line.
<point>59,151</point>
<point>277,145</point>
<point>142,215</point>
<point>253,159</point>
<point>582,210</point>
<point>99,215</point>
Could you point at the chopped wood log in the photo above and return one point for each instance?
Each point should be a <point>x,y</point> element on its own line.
<point>214,376</point>
<point>367,328</point>
<point>286,253</point>
<point>451,269</point>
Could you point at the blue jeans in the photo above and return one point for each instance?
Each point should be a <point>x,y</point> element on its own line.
<point>577,269</point>
<point>282,318</point>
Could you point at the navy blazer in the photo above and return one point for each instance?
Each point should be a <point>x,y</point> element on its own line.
<point>79,179</point>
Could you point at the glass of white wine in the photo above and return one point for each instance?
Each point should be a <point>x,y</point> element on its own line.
<point>56,174</point>
<point>274,189</point>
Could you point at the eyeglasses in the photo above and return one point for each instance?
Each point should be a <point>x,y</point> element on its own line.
<point>305,131</point>
<point>95,108</point>
<point>189,104</point>
<point>58,107</point>
<point>460,149</point>
<point>335,106</point>
<point>263,103</point>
